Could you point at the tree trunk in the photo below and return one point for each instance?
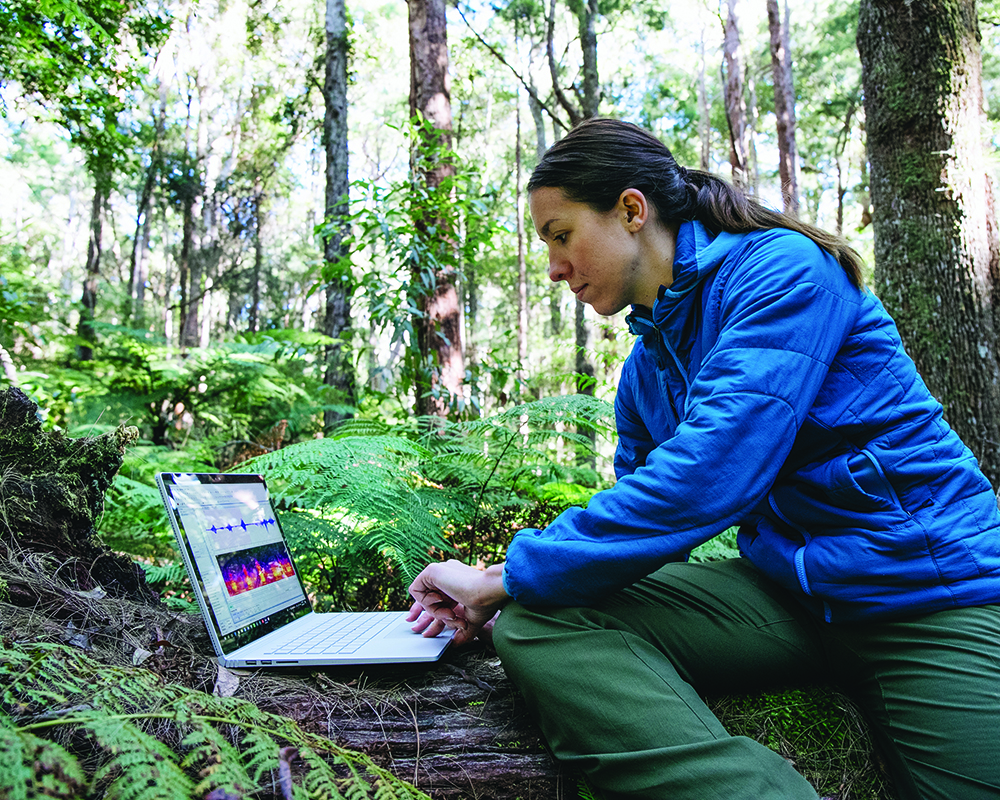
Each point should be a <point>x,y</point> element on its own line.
<point>437,325</point>
<point>253,321</point>
<point>184,265</point>
<point>522,262</point>
<point>339,373</point>
<point>591,97</point>
<point>138,260</point>
<point>88,301</point>
<point>736,107</point>
<point>936,264</point>
<point>140,249</point>
<point>704,112</point>
<point>192,273</point>
<point>567,105</point>
<point>784,108</point>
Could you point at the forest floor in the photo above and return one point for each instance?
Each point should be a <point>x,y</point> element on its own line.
<point>453,729</point>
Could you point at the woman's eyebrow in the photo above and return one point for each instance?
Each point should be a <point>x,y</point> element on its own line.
<point>544,232</point>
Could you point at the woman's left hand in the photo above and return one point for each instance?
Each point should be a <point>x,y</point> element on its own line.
<point>454,595</point>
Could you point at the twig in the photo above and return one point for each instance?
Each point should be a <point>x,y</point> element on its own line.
<point>416,730</point>
<point>467,678</point>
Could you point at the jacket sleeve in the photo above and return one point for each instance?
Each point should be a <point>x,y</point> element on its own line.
<point>634,440</point>
<point>784,310</point>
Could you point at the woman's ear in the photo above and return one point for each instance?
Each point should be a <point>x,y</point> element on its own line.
<point>633,209</point>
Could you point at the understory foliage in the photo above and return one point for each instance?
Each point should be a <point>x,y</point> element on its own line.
<point>72,727</point>
<point>366,508</point>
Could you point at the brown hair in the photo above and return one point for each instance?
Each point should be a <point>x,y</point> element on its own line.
<point>600,158</point>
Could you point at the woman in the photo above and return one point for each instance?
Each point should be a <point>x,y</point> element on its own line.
<point>768,389</point>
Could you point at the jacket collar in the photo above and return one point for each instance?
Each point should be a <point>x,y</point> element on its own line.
<point>668,328</point>
<point>696,254</point>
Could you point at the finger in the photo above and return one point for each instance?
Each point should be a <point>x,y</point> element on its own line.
<point>422,622</point>
<point>415,611</point>
<point>465,633</point>
<point>431,600</point>
<point>432,629</point>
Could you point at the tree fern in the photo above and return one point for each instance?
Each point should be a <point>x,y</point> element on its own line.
<point>155,741</point>
<point>395,490</point>
<point>366,489</point>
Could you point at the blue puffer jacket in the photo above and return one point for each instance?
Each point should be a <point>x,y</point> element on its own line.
<point>767,391</point>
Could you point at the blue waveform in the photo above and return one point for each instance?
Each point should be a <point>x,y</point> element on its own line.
<point>242,524</point>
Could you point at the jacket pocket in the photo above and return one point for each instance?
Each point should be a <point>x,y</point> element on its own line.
<point>852,481</point>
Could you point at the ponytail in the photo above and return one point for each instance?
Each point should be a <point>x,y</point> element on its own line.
<point>721,207</point>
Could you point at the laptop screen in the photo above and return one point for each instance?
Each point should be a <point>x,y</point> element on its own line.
<point>234,545</point>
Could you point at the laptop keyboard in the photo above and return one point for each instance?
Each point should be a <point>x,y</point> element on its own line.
<point>341,635</point>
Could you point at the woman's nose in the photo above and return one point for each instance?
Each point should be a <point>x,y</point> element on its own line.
<point>559,269</point>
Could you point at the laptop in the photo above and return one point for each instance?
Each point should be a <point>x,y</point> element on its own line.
<point>254,605</point>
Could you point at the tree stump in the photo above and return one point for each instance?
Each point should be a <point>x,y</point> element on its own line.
<point>52,492</point>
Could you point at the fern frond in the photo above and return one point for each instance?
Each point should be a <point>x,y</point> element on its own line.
<point>17,775</point>
<point>323,782</point>
<point>36,767</point>
<point>218,762</point>
<point>171,573</point>
<point>142,767</point>
<point>189,735</point>
<point>360,427</point>
<point>260,753</point>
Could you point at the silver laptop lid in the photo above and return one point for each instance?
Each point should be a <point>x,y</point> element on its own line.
<point>235,551</point>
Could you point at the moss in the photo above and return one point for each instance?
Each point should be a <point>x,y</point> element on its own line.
<point>51,482</point>
<point>52,494</point>
<point>818,730</point>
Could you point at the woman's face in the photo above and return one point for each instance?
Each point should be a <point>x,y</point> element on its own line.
<point>598,255</point>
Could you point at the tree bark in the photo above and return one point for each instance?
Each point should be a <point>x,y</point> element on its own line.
<point>253,321</point>
<point>437,326</point>
<point>138,260</point>
<point>936,250</point>
<point>190,190</point>
<point>704,112</point>
<point>522,261</point>
<point>591,97</point>
<point>88,301</point>
<point>339,373</point>
<point>187,246</point>
<point>784,107</point>
<point>736,107</point>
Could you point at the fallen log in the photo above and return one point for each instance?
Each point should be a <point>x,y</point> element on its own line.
<point>460,729</point>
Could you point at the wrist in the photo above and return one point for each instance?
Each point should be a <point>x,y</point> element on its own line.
<point>494,591</point>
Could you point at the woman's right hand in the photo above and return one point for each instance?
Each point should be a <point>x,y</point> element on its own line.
<point>454,595</point>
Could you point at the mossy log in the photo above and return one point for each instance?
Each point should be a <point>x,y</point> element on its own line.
<point>51,494</point>
<point>459,729</point>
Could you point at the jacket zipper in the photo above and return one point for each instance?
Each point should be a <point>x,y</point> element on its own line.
<point>800,553</point>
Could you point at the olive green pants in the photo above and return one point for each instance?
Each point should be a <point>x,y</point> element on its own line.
<point>617,689</point>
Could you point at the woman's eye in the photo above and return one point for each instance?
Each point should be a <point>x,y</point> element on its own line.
<point>560,237</point>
